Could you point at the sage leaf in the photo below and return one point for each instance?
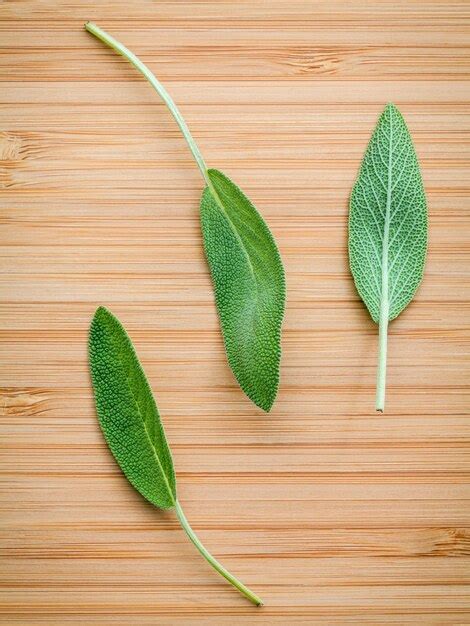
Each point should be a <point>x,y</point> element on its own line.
<point>388,229</point>
<point>244,261</point>
<point>249,286</point>
<point>131,424</point>
<point>127,412</point>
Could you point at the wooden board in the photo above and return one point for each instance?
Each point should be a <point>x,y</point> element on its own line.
<point>333,514</point>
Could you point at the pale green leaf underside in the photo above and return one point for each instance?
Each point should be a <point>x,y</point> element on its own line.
<point>249,285</point>
<point>127,411</point>
<point>389,189</point>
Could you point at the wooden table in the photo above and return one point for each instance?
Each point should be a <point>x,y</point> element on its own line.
<point>332,513</point>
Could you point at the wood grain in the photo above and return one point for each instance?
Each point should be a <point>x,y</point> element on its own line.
<point>333,514</point>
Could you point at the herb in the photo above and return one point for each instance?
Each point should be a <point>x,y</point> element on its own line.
<point>244,261</point>
<point>388,229</point>
<point>131,424</point>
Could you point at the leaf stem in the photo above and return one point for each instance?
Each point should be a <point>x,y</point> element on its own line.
<point>118,47</point>
<point>384,299</point>
<point>212,561</point>
<point>382,359</point>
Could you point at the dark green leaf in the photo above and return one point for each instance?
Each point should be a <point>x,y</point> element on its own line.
<point>127,411</point>
<point>249,285</point>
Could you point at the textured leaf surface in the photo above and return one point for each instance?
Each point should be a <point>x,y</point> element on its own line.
<point>249,285</point>
<point>388,219</point>
<point>127,411</point>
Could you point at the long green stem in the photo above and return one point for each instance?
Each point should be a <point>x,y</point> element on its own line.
<point>210,559</point>
<point>115,45</point>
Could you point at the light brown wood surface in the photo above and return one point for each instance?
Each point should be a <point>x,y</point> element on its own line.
<point>332,513</point>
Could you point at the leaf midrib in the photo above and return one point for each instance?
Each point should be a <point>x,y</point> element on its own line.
<point>137,364</point>
<point>220,204</point>
<point>384,299</point>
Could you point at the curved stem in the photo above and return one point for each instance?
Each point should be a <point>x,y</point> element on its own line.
<point>210,559</point>
<point>160,89</point>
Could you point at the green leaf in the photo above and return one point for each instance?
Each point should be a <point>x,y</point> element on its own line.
<point>127,412</point>
<point>249,285</point>
<point>388,219</point>
<point>246,268</point>
<point>131,425</point>
<point>388,228</point>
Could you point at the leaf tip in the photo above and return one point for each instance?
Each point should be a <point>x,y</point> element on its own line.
<point>101,317</point>
<point>101,311</point>
<point>392,108</point>
<point>266,403</point>
<point>266,406</point>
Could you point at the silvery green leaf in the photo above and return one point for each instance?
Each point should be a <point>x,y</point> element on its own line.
<point>388,228</point>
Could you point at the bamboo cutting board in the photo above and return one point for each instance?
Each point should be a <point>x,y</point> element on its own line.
<point>332,513</point>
